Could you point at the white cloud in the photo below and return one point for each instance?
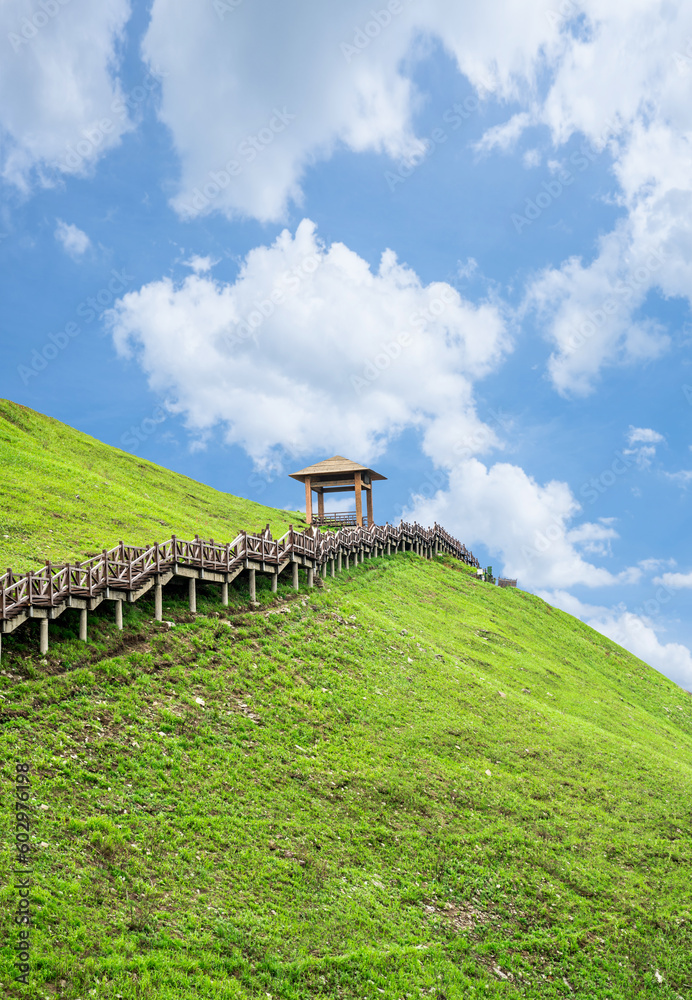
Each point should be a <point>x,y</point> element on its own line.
<point>504,137</point>
<point>681,478</point>
<point>310,351</point>
<point>676,581</point>
<point>651,565</point>
<point>634,632</point>
<point>644,434</point>
<point>250,110</point>
<point>262,105</point>
<point>75,241</point>
<point>527,526</point>
<point>199,264</point>
<point>57,87</point>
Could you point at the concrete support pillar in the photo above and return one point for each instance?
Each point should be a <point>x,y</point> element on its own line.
<point>362,555</point>
<point>347,560</point>
<point>252,573</point>
<point>275,582</point>
<point>158,602</point>
<point>324,570</point>
<point>331,568</point>
<point>44,637</point>
<point>83,625</point>
<point>295,576</point>
<point>224,594</point>
<point>192,594</point>
<point>119,615</point>
<point>338,563</point>
<point>436,548</point>
<point>389,548</point>
<point>311,577</point>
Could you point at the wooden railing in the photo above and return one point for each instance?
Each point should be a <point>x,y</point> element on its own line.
<point>123,571</point>
<point>348,519</point>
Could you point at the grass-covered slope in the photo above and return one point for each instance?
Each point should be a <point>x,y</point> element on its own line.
<point>65,495</point>
<point>408,784</point>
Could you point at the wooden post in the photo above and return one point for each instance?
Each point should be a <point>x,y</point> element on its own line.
<point>192,594</point>
<point>44,637</point>
<point>295,576</point>
<point>119,615</point>
<point>320,504</point>
<point>370,514</point>
<point>253,585</point>
<point>359,500</point>
<point>308,499</point>
<point>83,625</point>
<point>224,594</point>
<point>158,602</point>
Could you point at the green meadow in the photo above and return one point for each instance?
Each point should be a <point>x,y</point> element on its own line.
<point>404,783</point>
<point>65,496</point>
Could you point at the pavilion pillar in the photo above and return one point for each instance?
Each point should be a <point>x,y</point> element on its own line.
<point>370,517</point>
<point>359,499</point>
<point>320,504</point>
<point>308,499</point>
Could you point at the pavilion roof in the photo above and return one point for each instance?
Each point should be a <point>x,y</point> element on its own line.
<point>337,465</point>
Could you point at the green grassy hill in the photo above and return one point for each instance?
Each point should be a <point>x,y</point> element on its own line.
<point>406,784</point>
<point>65,495</point>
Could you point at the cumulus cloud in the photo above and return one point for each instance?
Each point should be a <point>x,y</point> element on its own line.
<point>199,264</point>
<point>530,527</point>
<point>250,111</point>
<point>645,434</point>
<point>74,241</point>
<point>57,87</point>
<point>310,350</point>
<point>634,632</point>
<point>676,581</point>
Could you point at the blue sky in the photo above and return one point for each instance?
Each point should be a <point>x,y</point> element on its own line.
<point>451,242</point>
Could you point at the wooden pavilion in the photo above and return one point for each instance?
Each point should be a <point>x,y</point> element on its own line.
<point>338,475</point>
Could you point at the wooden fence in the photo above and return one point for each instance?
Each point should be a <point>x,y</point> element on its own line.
<point>125,573</point>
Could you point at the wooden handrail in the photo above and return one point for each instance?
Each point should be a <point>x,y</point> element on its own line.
<point>128,568</point>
